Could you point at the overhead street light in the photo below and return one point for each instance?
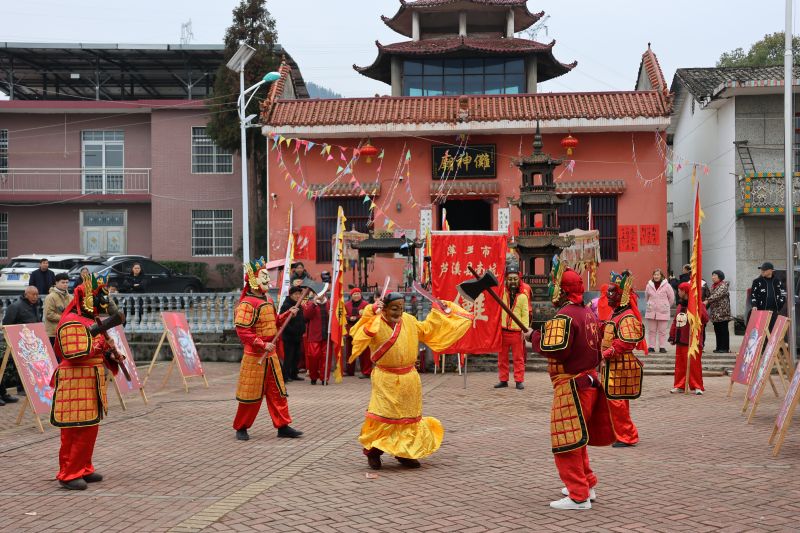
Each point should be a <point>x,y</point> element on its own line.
<point>237,64</point>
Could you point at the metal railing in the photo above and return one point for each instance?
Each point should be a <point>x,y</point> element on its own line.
<point>75,181</point>
<point>205,312</point>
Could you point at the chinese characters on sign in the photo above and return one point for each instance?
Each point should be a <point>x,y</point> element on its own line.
<point>454,162</point>
<point>627,238</point>
<point>649,235</point>
<point>452,255</point>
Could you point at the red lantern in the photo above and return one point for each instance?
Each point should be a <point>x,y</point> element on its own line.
<point>569,142</point>
<point>369,151</point>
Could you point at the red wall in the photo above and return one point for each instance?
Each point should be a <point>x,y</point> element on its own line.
<point>599,156</point>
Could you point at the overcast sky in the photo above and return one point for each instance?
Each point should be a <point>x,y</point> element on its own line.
<point>326,37</point>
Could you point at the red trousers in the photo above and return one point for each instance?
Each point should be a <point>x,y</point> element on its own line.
<point>75,455</point>
<point>573,467</point>
<point>276,404</point>
<point>315,360</point>
<point>695,369</point>
<point>513,340</point>
<point>624,427</point>
<point>363,360</point>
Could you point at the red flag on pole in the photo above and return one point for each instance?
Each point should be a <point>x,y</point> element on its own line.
<point>696,283</point>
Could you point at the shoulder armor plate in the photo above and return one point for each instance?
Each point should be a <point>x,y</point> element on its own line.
<point>555,333</point>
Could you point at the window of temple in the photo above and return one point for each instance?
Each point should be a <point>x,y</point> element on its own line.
<point>358,218</point>
<point>456,76</point>
<point>575,214</point>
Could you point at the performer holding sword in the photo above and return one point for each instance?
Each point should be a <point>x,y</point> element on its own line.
<point>394,423</point>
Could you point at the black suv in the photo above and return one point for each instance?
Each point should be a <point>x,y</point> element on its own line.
<point>159,278</point>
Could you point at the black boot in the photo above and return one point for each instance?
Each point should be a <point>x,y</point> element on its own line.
<point>288,432</point>
<point>73,484</point>
<point>520,385</point>
<point>619,444</point>
<point>241,434</point>
<point>408,463</point>
<point>7,398</point>
<point>374,458</point>
<point>94,477</point>
<point>501,385</point>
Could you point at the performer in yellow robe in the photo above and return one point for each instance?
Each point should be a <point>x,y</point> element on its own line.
<point>394,423</point>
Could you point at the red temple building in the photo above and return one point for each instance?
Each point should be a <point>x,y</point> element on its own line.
<point>463,108</point>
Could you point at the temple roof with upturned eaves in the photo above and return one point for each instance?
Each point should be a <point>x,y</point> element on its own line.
<point>401,21</point>
<point>548,67</point>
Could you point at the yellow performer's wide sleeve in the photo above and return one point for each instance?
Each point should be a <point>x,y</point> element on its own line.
<point>364,331</point>
<point>440,331</point>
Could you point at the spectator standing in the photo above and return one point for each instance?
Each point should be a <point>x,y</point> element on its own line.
<point>44,278</point>
<point>686,276</point>
<point>299,274</point>
<point>767,292</point>
<point>316,312</point>
<point>673,282</point>
<point>292,336</point>
<point>134,282</point>
<point>660,298</point>
<point>54,305</point>
<point>26,310</point>
<point>718,304</point>
<point>353,309</point>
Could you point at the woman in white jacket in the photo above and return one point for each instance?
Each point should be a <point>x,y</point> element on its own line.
<point>660,298</point>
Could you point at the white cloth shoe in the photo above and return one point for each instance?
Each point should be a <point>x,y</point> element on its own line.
<point>568,504</point>
<point>592,493</point>
<point>698,392</point>
<point>674,390</point>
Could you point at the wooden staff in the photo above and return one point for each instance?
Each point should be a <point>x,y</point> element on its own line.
<point>286,322</point>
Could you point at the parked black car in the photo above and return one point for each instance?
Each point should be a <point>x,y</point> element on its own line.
<point>159,278</point>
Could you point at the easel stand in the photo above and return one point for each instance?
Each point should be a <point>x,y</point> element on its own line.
<point>783,350</point>
<point>27,401</point>
<point>173,364</point>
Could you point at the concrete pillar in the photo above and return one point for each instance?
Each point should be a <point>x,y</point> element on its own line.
<point>510,23</point>
<point>415,25</point>
<point>462,23</point>
<point>397,77</point>
<point>530,72</point>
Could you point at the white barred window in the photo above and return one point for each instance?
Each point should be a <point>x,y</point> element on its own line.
<point>212,232</point>
<point>3,151</point>
<point>3,234</point>
<point>207,157</point>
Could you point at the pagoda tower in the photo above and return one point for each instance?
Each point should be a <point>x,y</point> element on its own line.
<point>539,238</point>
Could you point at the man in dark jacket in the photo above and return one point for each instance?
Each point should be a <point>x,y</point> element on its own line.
<point>767,292</point>
<point>44,278</point>
<point>299,274</point>
<point>26,310</point>
<point>292,336</point>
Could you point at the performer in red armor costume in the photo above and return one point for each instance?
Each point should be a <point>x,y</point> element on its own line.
<point>256,324</point>
<point>579,415</point>
<point>622,371</point>
<point>79,400</point>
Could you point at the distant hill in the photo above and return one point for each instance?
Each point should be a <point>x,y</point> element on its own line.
<point>318,91</point>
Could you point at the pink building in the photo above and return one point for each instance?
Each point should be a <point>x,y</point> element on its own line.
<point>122,166</point>
<point>462,87</point>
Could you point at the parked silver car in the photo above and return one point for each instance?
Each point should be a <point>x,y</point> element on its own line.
<point>16,275</point>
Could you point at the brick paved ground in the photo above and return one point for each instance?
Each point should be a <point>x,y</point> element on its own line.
<point>174,465</point>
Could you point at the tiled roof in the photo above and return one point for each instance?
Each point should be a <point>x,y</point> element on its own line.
<point>475,108</point>
<point>346,189</point>
<point>460,189</point>
<point>276,89</point>
<point>653,70</point>
<point>401,21</point>
<point>547,67</point>
<point>591,187</point>
<point>703,82</point>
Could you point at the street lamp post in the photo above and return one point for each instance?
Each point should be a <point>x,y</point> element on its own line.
<point>237,64</point>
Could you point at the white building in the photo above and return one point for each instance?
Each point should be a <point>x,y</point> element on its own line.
<point>729,122</point>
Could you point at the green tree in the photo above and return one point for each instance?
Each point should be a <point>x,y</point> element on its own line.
<point>253,25</point>
<point>767,51</point>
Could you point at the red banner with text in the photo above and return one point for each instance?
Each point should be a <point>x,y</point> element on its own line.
<point>452,253</point>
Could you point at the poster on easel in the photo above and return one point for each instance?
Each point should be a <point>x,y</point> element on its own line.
<point>763,373</point>
<point>750,350</point>
<point>184,351</point>
<point>36,361</point>
<point>122,385</point>
<point>784,417</point>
